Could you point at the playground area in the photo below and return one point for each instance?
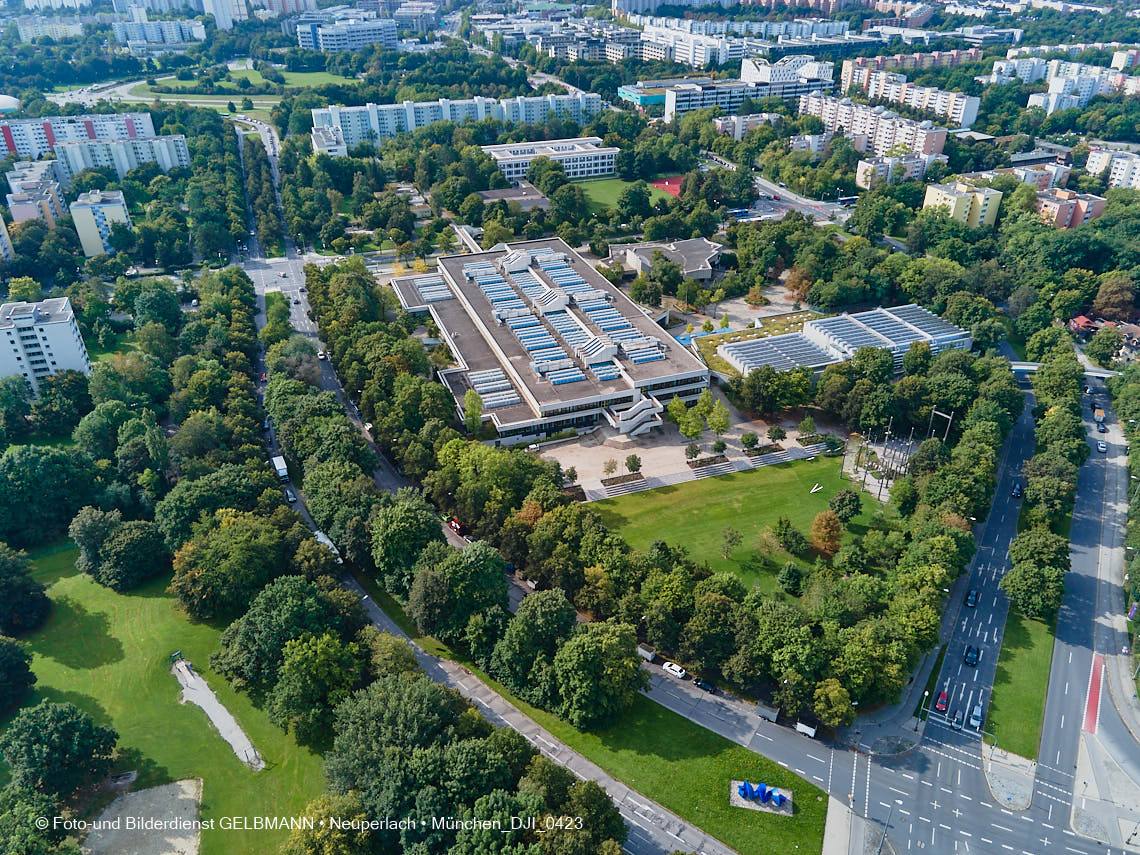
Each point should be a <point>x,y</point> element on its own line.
<point>196,691</point>
<point>178,801</point>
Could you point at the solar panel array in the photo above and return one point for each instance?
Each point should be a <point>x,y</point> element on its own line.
<point>782,352</point>
<point>494,388</point>
<point>849,333</point>
<point>605,370</point>
<point>926,321</point>
<point>432,289</point>
<point>566,327</point>
<point>886,325</point>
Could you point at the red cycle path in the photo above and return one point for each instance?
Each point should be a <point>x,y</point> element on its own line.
<point>1092,704</point>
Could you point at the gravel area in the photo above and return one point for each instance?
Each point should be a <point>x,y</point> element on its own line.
<point>177,802</point>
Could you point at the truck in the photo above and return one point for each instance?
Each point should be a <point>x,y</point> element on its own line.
<point>282,470</point>
<point>1098,416</point>
<point>646,652</point>
<point>325,541</point>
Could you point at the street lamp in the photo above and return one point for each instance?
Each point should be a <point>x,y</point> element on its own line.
<point>921,709</point>
<point>887,827</point>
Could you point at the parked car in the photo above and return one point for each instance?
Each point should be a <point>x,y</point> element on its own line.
<point>1102,447</point>
<point>976,717</point>
<point>973,654</point>
<point>943,702</point>
<point>320,354</point>
<point>290,497</point>
<point>296,302</point>
<point>674,669</point>
<point>972,598</point>
<point>704,686</point>
<point>1016,492</point>
<point>1101,427</point>
<point>957,721</point>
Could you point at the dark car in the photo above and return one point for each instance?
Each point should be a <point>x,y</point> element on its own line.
<point>704,686</point>
<point>973,654</point>
<point>942,703</point>
<point>1100,427</point>
<point>957,721</point>
<point>972,598</point>
<point>1016,492</point>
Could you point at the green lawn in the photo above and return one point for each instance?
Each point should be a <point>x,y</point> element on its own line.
<point>110,655</point>
<point>292,78</point>
<point>604,192</point>
<point>694,514</point>
<point>1017,703</point>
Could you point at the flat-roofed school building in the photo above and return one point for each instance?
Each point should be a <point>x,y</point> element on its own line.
<point>548,343</point>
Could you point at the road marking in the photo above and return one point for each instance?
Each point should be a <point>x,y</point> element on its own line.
<point>924,819</point>
<point>816,759</point>
<point>904,812</point>
<point>1092,704</point>
<point>1001,827</point>
<point>908,777</point>
<point>782,763</point>
<point>893,790</point>
<point>985,840</point>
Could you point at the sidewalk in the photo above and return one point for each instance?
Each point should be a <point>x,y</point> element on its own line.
<point>1010,777</point>
<point>653,829</point>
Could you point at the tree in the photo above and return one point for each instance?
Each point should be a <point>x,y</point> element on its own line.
<point>730,540</point>
<point>832,703</point>
<point>317,673</point>
<point>749,440</point>
<point>62,401</point>
<point>788,536</point>
<point>1115,298</point>
<point>806,427</point>
<point>598,673</point>
<point>251,649</point>
<point>24,289</point>
<point>1104,345</point>
<point>20,810</point>
<point>388,654</point>
<point>776,433</point>
<point>134,552</point>
<point>472,411</point>
<point>15,408</point>
<point>1038,545</point>
<point>633,464</point>
<point>41,488</point>
<point>826,533</point>
<point>847,505</point>
<point>523,656</point>
<point>157,305</point>
<point>349,835</point>
<point>56,749</point>
<point>24,604</point>
<point>400,532</point>
<point>692,451</point>
<point>16,677</point>
<point>444,598</point>
<point>610,466</point>
<point>718,419</point>
<point>1033,589</point>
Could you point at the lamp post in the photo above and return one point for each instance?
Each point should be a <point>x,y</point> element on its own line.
<point>921,709</point>
<point>887,827</point>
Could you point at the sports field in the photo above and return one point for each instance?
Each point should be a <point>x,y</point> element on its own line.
<point>696,513</point>
<point>604,192</point>
<point>109,654</point>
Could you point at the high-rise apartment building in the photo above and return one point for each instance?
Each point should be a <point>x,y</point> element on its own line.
<point>894,88</point>
<point>169,152</point>
<point>6,250</point>
<point>1066,209</point>
<point>976,207</point>
<point>32,138</point>
<point>873,129</point>
<point>40,339</point>
<point>352,34</point>
<point>94,213</point>
<point>1123,167</point>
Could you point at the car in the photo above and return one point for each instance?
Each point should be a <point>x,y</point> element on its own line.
<point>296,302</point>
<point>973,654</point>
<point>1016,492</point>
<point>956,722</point>
<point>302,289</point>
<point>320,354</point>
<point>942,703</point>
<point>1102,447</point>
<point>782,184</point>
<point>976,717</point>
<point>1101,427</point>
<point>290,497</point>
<point>972,598</point>
<point>775,198</point>
<point>263,378</point>
<point>284,275</point>
<point>704,686</point>
<point>674,669</point>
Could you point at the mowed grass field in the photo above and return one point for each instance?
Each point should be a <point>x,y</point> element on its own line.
<point>696,513</point>
<point>109,654</point>
<point>604,192</point>
<point>1017,703</point>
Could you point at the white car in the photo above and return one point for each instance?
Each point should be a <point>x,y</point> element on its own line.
<point>320,354</point>
<point>674,669</point>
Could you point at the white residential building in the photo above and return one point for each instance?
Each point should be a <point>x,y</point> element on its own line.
<point>418,15</point>
<point>889,86</point>
<point>738,126</point>
<point>695,49</point>
<point>329,140</point>
<point>6,251</point>
<point>226,12</point>
<point>854,71</point>
<point>372,122</point>
<point>1123,167</point>
<point>169,152</point>
<point>56,4</point>
<point>582,157</point>
<point>873,129</point>
<point>788,77</point>
<point>144,37</point>
<point>875,171</point>
<point>1074,84</point>
<point>30,29</point>
<point>40,339</point>
<point>32,138</point>
<point>93,214</point>
<point>1028,69</point>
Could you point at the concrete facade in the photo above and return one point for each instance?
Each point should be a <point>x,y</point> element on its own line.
<point>40,339</point>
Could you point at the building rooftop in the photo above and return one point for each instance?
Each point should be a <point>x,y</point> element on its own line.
<point>547,148</point>
<point>54,311</point>
<point>692,255</point>
<point>537,332</point>
<point>100,197</point>
<point>526,194</point>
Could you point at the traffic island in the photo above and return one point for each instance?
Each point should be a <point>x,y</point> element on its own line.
<point>1010,777</point>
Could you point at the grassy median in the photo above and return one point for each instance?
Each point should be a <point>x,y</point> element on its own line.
<point>1017,704</point>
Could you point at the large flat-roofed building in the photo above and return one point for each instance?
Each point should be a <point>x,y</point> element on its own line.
<point>581,157</point>
<point>36,193</point>
<point>348,35</point>
<point>169,152</point>
<point>647,93</point>
<point>548,343</point>
<point>977,207</point>
<point>94,214</point>
<point>33,138</point>
<point>876,171</point>
<point>958,107</point>
<point>1066,209</point>
<point>329,140</point>
<point>1123,167</point>
<point>826,341</point>
<point>373,122</point>
<point>40,339</point>
<point>855,71</point>
<point>873,129</point>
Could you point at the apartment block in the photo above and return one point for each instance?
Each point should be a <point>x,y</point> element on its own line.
<point>348,35</point>
<point>582,157</point>
<point>153,37</point>
<point>169,152</point>
<point>40,339</point>
<point>1123,167</point>
<point>1123,59</point>
<point>892,87</point>
<point>1040,176</point>
<point>32,138</point>
<point>30,29</point>
<point>854,71</point>
<point>94,213</point>
<point>373,122</point>
<point>1065,209</point>
<point>695,49</point>
<point>738,126</point>
<point>35,191</point>
<point>875,171</point>
<point>6,251</point>
<point>417,15</point>
<point>873,129</point>
<point>330,141</point>
<point>977,207</point>
<point>1074,84</point>
<point>34,5</point>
